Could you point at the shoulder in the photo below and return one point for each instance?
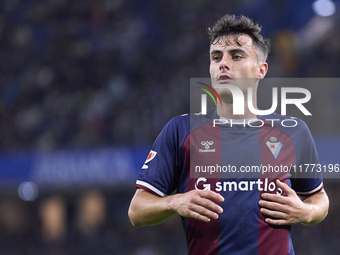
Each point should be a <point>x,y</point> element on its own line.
<point>180,121</point>
<point>179,127</point>
<point>287,124</point>
<point>193,119</point>
<point>176,129</point>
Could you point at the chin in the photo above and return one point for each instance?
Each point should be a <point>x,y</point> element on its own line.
<point>225,95</point>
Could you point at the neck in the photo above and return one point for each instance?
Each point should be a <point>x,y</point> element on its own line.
<point>226,109</point>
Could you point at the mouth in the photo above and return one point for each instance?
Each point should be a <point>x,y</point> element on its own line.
<point>224,78</point>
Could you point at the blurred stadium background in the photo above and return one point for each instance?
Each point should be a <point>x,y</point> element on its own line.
<point>86,86</point>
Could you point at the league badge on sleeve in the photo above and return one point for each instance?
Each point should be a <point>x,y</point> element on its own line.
<point>274,146</point>
<point>150,157</point>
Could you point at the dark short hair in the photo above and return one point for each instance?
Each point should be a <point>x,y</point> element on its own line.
<point>231,25</point>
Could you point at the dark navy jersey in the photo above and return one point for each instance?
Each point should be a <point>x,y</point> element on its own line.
<point>200,152</point>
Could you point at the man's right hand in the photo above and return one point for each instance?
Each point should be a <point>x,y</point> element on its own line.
<point>148,209</point>
<point>198,204</point>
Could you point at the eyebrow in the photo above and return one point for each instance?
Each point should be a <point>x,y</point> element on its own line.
<point>216,52</point>
<point>231,51</point>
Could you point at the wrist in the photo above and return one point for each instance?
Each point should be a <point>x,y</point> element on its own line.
<point>308,215</point>
<point>171,204</point>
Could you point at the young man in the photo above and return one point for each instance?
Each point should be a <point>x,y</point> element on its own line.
<point>231,214</point>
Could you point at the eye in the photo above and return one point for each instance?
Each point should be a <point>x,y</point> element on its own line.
<point>216,58</point>
<point>237,57</point>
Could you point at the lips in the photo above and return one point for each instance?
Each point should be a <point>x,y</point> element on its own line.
<point>224,77</point>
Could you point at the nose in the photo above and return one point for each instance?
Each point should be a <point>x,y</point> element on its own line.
<point>224,65</point>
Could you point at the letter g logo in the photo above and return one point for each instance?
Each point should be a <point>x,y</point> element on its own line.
<point>205,186</point>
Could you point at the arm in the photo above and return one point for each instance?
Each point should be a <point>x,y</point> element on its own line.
<point>148,209</point>
<point>318,204</point>
<point>280,210</point>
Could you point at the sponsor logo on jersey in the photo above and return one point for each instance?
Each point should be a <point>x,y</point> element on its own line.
<point>274,146</point>
<point>150,157</point>
<point>205,186</point>
<point>207,145</point>
<point>256,184</point>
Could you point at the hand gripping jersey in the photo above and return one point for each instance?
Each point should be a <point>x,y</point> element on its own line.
<point>191,148</point>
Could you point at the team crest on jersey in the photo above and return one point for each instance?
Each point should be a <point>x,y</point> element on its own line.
<point>274,146</point>
<point>150,157</point>
<point>207,145</point>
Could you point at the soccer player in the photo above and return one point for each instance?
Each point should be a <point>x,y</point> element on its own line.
<point>232,213</point>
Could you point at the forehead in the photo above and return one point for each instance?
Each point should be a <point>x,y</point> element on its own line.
<point>233,41</point>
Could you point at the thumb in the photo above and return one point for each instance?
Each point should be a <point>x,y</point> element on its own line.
<point>284,186</point>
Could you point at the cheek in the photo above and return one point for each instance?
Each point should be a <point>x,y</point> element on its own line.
<point>251,69</point>
<point>212,69</point>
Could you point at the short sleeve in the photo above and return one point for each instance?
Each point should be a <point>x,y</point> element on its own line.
<point>160,172</point>
<point>307,173</point>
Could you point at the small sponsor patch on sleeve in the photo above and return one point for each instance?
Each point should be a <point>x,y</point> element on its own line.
<point>150,157</point>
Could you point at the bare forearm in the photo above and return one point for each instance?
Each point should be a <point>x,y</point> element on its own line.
<point>147,209</point>
<point>293,209</point>
<point>318,205</point>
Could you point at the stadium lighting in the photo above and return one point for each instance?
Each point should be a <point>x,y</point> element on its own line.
<point>28,191</point>
<point>324,8</point>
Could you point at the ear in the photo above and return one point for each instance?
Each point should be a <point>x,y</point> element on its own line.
<point>263,68</point>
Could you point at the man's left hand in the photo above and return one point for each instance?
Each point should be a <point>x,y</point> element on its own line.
<point>281,210</point>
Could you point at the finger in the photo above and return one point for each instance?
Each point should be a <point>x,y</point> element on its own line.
<point>285,187</point>
<point>204,212</point>
<point>273,206</point>
<point>273,214</point>
<point>197,216</point>
<point>208,204</point>
<point>274,198</point>
<point>211,195</point>
<point>277,222</point>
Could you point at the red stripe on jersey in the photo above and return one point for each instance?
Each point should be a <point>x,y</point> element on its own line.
<point>274,239</point>
<point>202,237</point>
